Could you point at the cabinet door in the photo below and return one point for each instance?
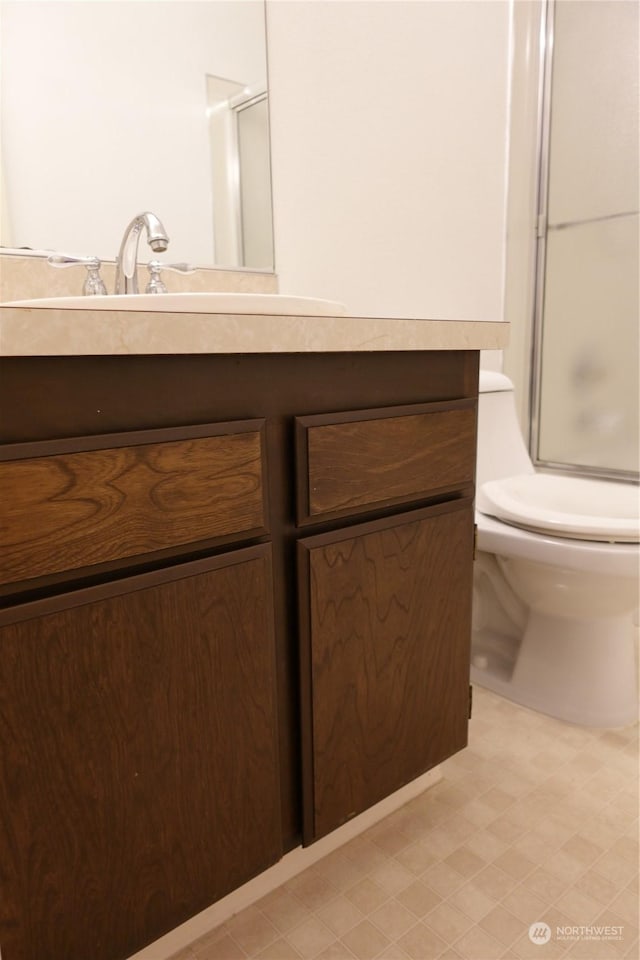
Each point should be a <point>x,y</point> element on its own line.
<point>386,622</point>
<point>139,775</point>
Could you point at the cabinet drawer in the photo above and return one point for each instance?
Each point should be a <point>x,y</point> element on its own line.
<point>354,461</point>
<point>100,499</point>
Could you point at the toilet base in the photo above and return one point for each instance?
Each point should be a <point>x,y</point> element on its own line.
<point>581,671</point>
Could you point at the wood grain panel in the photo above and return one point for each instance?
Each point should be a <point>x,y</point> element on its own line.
<point>137,785</point>
<point>75,509</point>
<point>385,661</point>
<point>381,457</point>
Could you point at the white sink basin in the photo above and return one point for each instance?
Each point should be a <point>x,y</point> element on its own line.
<point>247,303</point>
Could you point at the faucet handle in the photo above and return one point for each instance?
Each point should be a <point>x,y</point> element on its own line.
<point>93,284</point>
<point>156,284</point>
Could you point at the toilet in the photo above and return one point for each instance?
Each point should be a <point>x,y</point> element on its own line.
<point>556,578</point>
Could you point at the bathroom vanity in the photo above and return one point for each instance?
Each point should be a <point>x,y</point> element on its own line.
<point>236,591</point>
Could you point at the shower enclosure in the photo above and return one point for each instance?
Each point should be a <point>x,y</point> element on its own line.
<point>584,400</point>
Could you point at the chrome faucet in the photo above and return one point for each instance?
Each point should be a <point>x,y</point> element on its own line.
<point>127,261</point>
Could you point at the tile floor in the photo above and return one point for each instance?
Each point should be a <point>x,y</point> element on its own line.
<point>537,820</point>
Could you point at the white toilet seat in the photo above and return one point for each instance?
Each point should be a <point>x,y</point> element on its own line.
<point>566,506</point>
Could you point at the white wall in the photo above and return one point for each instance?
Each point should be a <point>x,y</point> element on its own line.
<point>389,129</point>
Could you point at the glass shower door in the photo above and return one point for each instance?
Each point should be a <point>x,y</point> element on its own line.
<point>586,415</point>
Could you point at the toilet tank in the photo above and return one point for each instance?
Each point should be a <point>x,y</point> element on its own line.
<point>501,448</point>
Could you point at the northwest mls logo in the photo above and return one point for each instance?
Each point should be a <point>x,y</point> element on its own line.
<point>540,932</point>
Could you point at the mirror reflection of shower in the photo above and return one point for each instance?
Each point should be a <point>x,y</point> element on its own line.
<point>241,174</point>
<point>586,403</point>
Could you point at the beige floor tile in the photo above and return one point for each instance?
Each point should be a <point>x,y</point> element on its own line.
<point>594,885</point>
<point>606,784</point>
<point>524,904</point>
<point>416,858</point>
<point>564,867</point>
<point>535,848</point>
<point>626,906</point>
<point>440,842</point>
<point>499,800</point>
<point>515,864</point>
<point>525,949</point>
<point>628,931</point>
<point>393,918</point>
<point>335,951</point>
<point>393,952</point>
<point>280,949</point>
<point>311,888</point>
<point>340,915</point>
<point>633,952</point>
<point>388,837</point>
<point>365,941</point>
<point>545,885</point>
<point>363,853</point>
<point>339,871</point>
<point>311,937</point>
<point>615,868</point>
<point>283,910</point>
<point>366,895</point>
<point>626,803</point>
<point>419,898</point>
<point>494,881</point>
<point>186,954</point>
<point>556,918</point>
<point>603,830</point>
<point>582,849</point>
<point>627,849</point>
<point>593,950</point>
<point>448,922</point>
<point>392,877</point>
<point>472,901</point>
<point>443,879</point>
<point>486,845</point>
<point>578,907</point>
<point>506,827</point>
<point>515,783</point>
<point>480,813</point>
<point>252,930</point>
<point>554,831</point>
<point>465,862</point>
<point>225,948</point>
<point>477,944</point>
<point>422,943</point>
<point>502,925</point>
<point>454,796</point>
<point>459,827</point>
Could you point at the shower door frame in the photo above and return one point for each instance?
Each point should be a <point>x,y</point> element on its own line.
<point>547,41</point>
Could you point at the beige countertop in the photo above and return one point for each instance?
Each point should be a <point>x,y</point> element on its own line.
<point>36,331</point>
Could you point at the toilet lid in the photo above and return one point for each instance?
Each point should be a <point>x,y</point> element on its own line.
<point>566,506</point>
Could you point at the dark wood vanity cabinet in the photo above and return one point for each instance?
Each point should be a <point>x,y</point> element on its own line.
<point>236,612</point>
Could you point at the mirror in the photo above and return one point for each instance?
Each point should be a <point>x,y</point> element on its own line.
<point>110,108</point>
